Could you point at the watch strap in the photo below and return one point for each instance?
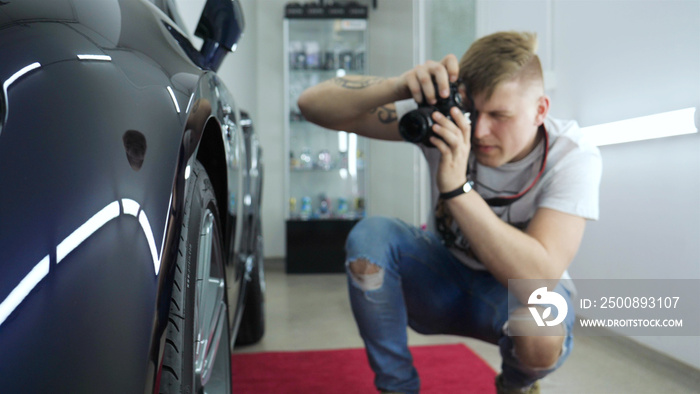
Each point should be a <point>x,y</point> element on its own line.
<point>466,188</point>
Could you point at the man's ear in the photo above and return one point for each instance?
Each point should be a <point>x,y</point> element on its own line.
<point>542,110</point>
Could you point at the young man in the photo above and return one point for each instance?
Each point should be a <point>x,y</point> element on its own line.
<point>512,194</point>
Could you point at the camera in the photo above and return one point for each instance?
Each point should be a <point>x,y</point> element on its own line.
<point>416,126</point>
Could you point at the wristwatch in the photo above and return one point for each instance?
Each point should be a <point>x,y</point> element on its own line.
<point>466,188</point>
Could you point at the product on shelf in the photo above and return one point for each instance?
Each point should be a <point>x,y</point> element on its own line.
<point>324,210</point>
<point>305,212</point>
<point>305,160</point>
<point>360,206</point>
<point>294,163</point>
<point>325,161</point>
<point>342,207</point>
<point>292,206</point>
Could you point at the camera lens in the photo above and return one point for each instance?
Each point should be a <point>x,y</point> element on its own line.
<point>415,126</point>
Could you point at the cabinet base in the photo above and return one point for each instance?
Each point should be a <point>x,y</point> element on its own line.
<point>317,246</point>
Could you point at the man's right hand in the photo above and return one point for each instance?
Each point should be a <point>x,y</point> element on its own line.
<point>418,81</point>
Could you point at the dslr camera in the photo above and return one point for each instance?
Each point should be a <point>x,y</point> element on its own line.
<point>416,126</point>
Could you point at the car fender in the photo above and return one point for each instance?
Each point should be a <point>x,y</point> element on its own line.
<point>93,159</point>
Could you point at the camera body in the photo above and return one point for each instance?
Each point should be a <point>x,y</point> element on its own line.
<point>416,126</point>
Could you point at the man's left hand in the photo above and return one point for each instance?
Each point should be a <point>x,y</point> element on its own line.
<point>454,147</point>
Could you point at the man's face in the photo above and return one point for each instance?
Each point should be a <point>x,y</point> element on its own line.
<point>506,130</point>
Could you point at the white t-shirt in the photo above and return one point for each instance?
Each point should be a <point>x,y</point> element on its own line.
<point>570,182</point>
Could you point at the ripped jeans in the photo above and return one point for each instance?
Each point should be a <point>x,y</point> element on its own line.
<point>419,283</point>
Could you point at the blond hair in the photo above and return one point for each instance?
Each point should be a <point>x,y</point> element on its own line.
<point>500,57</point>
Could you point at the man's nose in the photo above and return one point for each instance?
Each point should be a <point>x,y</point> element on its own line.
<point>481,129</point>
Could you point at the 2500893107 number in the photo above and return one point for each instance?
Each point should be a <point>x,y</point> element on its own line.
<point>638,302</point>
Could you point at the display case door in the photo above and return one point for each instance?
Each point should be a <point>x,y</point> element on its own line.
<point>325,177</point>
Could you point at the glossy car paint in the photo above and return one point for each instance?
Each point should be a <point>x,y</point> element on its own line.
<point>105,103</point>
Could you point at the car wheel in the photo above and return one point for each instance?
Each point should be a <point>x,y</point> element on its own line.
<point>197,352</point>
<point>252,327</point>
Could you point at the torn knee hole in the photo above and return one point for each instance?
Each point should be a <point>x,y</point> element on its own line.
<point>364,267</point>
<point>366,275</point>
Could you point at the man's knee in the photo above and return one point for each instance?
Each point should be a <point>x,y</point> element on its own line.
<point>538,352</point>
<point>374,229</point>
<point>536,347</point>
<point>363,267</point>
<point>366,275</point>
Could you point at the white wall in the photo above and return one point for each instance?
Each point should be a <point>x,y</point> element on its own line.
<point>267,19</point>
<point>614,60</point>
<point>648,61</point>
<point>393,180</point>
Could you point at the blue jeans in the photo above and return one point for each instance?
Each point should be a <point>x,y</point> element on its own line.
<point>422,285</point>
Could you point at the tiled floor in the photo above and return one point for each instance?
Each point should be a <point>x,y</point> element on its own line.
<point>307,312</point>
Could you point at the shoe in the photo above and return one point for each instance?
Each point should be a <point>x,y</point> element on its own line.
<point>502,389</point>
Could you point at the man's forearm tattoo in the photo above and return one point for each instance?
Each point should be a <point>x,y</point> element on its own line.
<point>360,83</point>
<point>385,114</point>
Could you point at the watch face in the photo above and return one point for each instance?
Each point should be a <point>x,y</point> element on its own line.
<point>467,187</point>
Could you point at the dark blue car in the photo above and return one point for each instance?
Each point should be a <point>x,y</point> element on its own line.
<point>130,188</point>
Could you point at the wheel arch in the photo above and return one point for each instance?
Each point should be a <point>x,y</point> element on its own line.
<point>212,155</point>
<point>215,153</point>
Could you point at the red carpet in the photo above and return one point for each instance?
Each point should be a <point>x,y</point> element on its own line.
<point>444,369</point>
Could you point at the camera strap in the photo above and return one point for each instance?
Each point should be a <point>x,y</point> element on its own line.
<point>501,201</point>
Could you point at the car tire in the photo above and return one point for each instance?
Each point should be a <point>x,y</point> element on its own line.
<point>252,327</point>
<point>197,351</point>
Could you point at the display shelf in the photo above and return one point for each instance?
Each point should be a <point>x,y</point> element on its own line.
<point>326,171</point>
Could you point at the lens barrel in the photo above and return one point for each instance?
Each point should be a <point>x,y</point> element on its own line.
<point>416,125</point>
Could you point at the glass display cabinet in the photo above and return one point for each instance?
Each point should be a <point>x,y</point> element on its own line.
<point>325,182</point>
